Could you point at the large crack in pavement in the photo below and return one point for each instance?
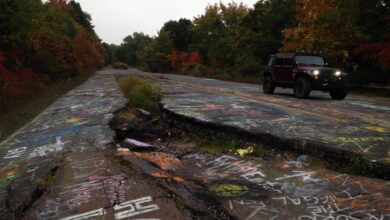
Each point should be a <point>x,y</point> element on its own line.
<point>92,186</point>
<point>356,129</point>
<point>61,166</point>
<point>255,189</point>
<point>56,166</point>
<point>226,186</point>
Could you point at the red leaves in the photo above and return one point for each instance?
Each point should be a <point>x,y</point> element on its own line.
<point>195,57</point>
<point>15,84</point>
<point>376,52</point>
<point>179,59</point>
<point>385,55</point>
<point>369,51</point>
<point>88,52</point>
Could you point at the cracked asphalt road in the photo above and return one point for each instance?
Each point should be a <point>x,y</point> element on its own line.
<point>358,125</point>
<point>63,148</point>
<point>59,165</point>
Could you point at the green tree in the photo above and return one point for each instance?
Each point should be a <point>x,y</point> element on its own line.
<point>141,41</point>
<point>81,17</point>
<point>264,23</point>
<point>221,38</point>
<point>126,51</point>
<point>132,47</point>
<point>180,33</point>
<point>157,53</point>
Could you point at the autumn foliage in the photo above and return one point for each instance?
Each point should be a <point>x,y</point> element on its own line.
<point>44,42</point>
<point>236,41</point>
<point>354,35</point>
<point>184,62</point>
<point>15,84</point>
<point>378,53</point>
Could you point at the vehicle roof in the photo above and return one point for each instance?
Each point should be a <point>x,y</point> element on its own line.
<point>291,55</point>
<point>285,55</point>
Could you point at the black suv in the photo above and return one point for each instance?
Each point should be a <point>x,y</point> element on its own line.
<point>304,72</point>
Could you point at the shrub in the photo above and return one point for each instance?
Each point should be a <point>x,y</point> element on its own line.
<point>140,94</point>
<point>127,85</point>
<point>120,65</point>
<point>144,96</point>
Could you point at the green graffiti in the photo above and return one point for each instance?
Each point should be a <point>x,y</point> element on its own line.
<point>229,190</point>
<point>8,179</point>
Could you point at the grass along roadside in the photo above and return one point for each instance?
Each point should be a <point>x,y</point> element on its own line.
<point>20,111</point>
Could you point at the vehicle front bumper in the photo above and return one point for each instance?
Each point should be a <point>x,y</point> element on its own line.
<point>322,83</point>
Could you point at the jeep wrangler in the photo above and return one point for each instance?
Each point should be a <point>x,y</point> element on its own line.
<point>304,72</point>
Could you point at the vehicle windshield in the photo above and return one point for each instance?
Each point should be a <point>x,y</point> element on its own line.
<point>310,60</point>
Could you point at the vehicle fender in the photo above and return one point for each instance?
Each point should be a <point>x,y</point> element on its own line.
<point>269,73</point>
<point>297,75</point>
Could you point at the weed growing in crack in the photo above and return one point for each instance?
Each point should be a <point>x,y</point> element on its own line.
<point>221,143</point>
<point>140,94</point>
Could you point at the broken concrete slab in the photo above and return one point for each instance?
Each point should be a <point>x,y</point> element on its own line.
<point>135,145</point>
<point>144,114</point>
<point>248,189</point>
<point>340,130</point>
<point>92,186</point>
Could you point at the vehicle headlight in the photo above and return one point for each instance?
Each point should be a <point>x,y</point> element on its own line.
<point>316,72</point>
<point>337,73</point>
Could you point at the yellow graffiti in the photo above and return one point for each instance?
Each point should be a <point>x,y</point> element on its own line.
<point>229,190</point>
<point>74,120</point>
<point>355,139</point>
<point>377,129</point>
<point>244,152</point>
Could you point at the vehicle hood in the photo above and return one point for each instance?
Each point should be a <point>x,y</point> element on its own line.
<point>319,68</point>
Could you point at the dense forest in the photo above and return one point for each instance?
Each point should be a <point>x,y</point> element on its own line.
<point>234,41</point>
<point>42,43</point>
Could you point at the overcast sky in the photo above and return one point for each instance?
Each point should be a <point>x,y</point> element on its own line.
<point>115,19</point>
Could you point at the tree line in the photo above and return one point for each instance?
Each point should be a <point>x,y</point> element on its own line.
<point>41,43</point>
<point>235,41</point>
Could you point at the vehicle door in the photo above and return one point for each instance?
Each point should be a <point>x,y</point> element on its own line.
<point>278,69</point>
<point>287,70</point>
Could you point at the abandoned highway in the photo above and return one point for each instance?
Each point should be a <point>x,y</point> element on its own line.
<point>69,164</point>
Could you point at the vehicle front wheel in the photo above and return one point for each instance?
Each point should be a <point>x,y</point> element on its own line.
<point>302,88</point>
<point>338,93</point>
<point>268,85</point>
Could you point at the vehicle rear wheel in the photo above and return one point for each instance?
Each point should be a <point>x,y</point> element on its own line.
<point>302,88</point>
<point>338,93</point>
<point>268,85</point>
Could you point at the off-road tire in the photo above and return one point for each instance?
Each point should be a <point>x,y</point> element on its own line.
<point>302,88</point>
<point>338,93</point>
<point>268,85</point>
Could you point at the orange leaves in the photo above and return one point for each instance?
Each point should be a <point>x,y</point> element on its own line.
<point>180,60</point>
<point>328,26</point>
<point>45,39</point>
<point>195,57</point>
<point>177,59</point>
